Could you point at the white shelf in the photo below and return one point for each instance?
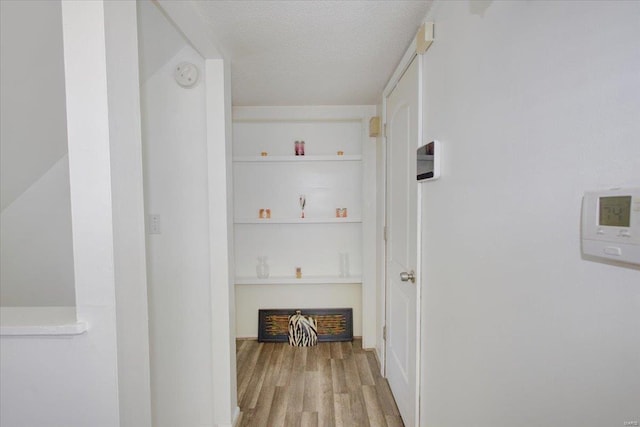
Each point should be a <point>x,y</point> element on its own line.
<point>280,159</point>
<point>40,321</point>
<point>313,280</point>
<point>276,180</point>
<point>298,220</point>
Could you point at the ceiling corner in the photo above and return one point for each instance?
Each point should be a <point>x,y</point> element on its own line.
<point>194,27</point>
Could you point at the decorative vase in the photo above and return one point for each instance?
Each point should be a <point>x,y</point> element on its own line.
<point>302,200</point>
<point>262,269</point>
<point>344,264</point>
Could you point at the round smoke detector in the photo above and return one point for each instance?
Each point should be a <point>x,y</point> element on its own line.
<point>186,74</point>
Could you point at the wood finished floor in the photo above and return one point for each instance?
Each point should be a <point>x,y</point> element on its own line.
<point>331,384</point>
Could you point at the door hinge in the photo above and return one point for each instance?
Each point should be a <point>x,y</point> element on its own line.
<point>384,127</point>
<point>384,332</point>
<point>384,232</point>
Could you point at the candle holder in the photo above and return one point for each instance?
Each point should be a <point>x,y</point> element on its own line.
<point>302,200</point>
<point>264,213</point>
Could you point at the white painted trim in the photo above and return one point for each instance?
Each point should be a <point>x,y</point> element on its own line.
<point>267,159</point>
<point>234,421</point>
<point>40,321</point>
<point>220,240</point>
<point>382,192</point>
<point>347,220</point>
<point>130,267</point>
<point>69,329</point>
<point>397,75</point>
<point>369,215</point>
<point>313,280</point>
<point>418,267</point>
<point>408,56</point>
<point>404,63</point>
<point>339,113</point>
<point>236,416</point>
<point>86,92</point>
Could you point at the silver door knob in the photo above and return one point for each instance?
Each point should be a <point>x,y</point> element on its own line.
<point>408,277</point>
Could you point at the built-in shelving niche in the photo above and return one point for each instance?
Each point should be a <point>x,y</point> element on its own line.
<point>268,175</point>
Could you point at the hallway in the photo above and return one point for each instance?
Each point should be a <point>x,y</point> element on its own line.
<point>331,384</point>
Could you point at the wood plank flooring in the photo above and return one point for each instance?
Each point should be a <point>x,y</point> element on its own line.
<point>330,385</point>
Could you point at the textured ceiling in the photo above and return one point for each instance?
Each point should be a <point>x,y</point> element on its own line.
<point>312,52</point>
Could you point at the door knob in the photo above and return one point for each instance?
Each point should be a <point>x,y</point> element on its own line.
<point>406,277</point>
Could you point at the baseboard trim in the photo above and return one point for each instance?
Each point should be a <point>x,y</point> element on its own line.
<point>236,416</point>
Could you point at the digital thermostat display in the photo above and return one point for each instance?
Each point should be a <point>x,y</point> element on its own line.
<point>428,161</point>
<point>615,211</point>
<point>611,225</point>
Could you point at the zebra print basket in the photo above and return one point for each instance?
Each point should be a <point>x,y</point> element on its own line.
<point>303,331</point>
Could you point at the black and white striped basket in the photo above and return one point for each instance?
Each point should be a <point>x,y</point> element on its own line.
<point>303,331</point>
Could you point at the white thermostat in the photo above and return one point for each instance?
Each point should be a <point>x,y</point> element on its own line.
<point>428,161</point>
<point>611,224</point>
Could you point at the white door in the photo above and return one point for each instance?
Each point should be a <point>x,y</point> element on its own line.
<point>401,293</point>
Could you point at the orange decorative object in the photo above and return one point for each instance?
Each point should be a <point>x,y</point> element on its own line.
<point>263,154</point>
<point>341,212</point>
<point>264,214</point>
<point>340,153</point>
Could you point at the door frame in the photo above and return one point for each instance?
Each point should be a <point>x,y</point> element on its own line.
<point>410,54</point>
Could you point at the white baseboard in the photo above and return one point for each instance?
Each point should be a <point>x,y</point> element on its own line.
<point>236,416</point>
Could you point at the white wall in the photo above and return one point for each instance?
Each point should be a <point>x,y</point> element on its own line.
<point>35,243</point>
<point>61,380</point>
<point>187,143</point>
<point>33,131</point>
<point>175,162</point>
<point>158,40</point>
<point>534,102</point>
<point>252,298</point>
<point>36,260</point>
